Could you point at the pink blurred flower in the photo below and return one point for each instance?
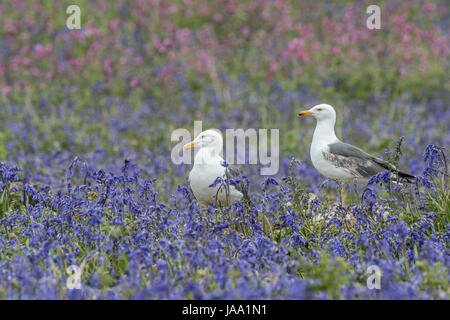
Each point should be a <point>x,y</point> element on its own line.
<point>182,35</point>
<point>295,44</point>
<point>40,51</point>
<point>135,82</point>
<point>429,7</point>
<point>108,66</point>
<point>5,91</point>
<point>206,60</point>
<point>273,66</point>
<point>26,61</point>
<point>138,60</point>
<point>34,71</point>
<point>336,50</point>
<point>114,24</point>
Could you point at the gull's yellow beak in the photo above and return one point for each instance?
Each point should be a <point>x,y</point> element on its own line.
<point>305,113</point>
<point>189,146</point>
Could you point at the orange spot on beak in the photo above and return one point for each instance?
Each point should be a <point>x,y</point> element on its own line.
<point>189,146</point>
<point>305,113</point>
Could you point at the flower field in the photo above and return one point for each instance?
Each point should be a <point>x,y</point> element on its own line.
<point>86,177</point>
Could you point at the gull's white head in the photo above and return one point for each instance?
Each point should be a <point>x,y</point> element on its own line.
<point>322,112</point>
<point>210,139</point>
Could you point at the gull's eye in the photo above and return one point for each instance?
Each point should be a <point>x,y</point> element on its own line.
<point>320,109</point>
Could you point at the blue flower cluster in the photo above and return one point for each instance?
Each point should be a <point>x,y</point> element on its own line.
<point>129,241</point>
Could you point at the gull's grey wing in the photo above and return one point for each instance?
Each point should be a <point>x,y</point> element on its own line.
<point>234,173</point>
<point>359,162</point>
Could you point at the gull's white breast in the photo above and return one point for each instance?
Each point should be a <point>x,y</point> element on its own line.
<point>204,175</point>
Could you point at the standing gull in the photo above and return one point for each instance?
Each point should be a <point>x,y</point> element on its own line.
<point>338,160</point>
<point>208,166</point>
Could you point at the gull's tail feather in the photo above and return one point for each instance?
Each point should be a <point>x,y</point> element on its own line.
<point>401,174</point>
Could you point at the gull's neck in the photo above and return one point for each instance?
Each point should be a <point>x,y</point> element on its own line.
<point>208,156</point>
<point>324,133</point>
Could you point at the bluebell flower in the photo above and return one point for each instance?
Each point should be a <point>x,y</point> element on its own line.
<point>270,181</point>
<point>216,182</point>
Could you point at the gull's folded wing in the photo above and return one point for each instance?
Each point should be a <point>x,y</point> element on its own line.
<point>359,162</point>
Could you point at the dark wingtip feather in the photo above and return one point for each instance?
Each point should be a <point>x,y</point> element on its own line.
<point>408,177</point>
